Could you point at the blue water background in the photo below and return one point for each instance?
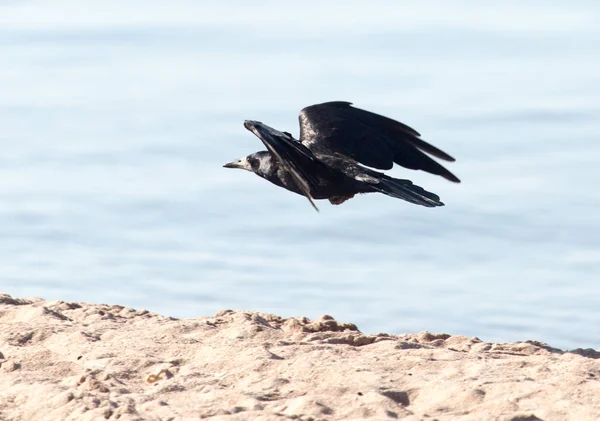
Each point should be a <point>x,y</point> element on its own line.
<point>116,117</point>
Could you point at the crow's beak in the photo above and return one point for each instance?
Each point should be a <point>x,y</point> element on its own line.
<point>242,164</point>
<point>233,164</point>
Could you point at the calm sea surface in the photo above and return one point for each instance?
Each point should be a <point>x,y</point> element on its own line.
<point>116,117</point>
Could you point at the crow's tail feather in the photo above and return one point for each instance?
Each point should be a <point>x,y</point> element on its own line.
<point>406,190</point>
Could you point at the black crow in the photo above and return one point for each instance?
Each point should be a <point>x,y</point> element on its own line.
<point>335,138</point>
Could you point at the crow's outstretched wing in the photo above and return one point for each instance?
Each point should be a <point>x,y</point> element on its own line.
<point>371,139</point>
<point>291,154</point>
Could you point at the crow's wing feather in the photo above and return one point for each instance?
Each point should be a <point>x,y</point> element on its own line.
<point>371,139</point>
<point>292,155</point>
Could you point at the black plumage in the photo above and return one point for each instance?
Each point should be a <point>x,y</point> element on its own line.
<point>335,139</point>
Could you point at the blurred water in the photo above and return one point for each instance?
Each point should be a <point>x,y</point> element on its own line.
<point>116,118</point>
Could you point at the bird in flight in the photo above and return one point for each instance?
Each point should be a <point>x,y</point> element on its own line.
<point>338,143</point>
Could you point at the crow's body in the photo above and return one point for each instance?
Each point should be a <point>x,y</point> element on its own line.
<point>335,139</point>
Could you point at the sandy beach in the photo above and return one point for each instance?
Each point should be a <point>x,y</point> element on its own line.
<point>80,361</point>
